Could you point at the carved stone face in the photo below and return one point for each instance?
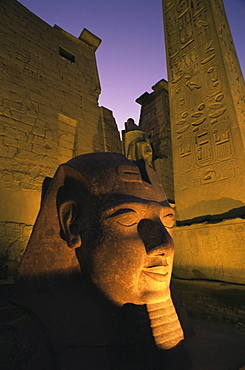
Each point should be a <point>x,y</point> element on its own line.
<point>124,241</point>
<point>132,263</point>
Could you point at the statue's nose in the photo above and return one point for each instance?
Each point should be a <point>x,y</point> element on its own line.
<point>156,238</point>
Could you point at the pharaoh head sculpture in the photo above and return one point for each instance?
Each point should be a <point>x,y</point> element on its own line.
<point>117,216</point>
<point>108,218</point>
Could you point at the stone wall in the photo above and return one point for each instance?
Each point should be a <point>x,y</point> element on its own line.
<point>112,142</point>
<point>49,89</point>
<point>211,251</point>
<point>155,122</point>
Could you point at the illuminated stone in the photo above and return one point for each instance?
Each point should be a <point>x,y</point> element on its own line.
<point>213,251</point>
<point>104,230</point>
<point>207,109</point>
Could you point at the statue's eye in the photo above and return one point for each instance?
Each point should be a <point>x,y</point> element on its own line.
<point>125,217</point>
<point>168,220</point>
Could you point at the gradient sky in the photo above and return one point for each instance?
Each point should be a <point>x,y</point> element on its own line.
<point>131,57</point>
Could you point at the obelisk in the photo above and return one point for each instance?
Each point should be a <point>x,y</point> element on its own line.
<point>207,109</point>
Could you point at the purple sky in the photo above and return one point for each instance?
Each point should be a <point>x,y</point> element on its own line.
<point>131,57</point>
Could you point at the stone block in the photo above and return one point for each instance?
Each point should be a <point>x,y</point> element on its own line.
<point>24,127</point>
<point>50,164</point>
<point>39,129</point>
<point>24,144</point>
<point>39,140</point>
<point>28,156</point>
<point>9,141</point>
<point>11,132</point>
<point>211,251</point>
<point>16,105</point>
<point>12,151</point>
<point>39,149</point>
<point>28,119</point>
<point>18,176</point>
<point>6,176</point>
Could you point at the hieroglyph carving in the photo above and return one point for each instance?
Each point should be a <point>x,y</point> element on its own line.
<point>200,102</point>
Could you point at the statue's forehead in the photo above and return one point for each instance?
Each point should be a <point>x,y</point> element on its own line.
<point>117,201</point>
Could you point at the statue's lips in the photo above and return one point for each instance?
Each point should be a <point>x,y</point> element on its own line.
<point>157,273</point>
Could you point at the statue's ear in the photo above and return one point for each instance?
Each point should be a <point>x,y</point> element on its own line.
<point>68,223</point>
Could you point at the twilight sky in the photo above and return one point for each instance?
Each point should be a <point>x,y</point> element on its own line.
<point>131,57</point>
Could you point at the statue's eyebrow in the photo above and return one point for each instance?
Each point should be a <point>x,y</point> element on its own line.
<point>117,209</point>
<point>120,211</point>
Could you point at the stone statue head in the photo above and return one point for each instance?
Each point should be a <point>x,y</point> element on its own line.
<point>103,234</point>
<point>116,216</point>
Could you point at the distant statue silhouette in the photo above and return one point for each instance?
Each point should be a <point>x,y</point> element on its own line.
<point>135,144</point>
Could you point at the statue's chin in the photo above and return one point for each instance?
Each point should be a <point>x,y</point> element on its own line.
<point>155,297</point>
<point>158,292</point>
<point>146,299</point>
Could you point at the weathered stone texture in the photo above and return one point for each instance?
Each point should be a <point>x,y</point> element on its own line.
<point>112,142</point>
<point>213,251</point>
<point>207,109</point>
<point>14,237</point>
<point>49,88</point>
<point>155,122</point>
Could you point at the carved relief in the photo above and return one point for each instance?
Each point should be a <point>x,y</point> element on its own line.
<point>218,172</point>
<point>218,7</point>
<point>234,74</point>
<point>207,53</point>
<point>203,148</point>
<point>168,6</point>
<point>181,124</point>
<point>191,83</point>
<point>185,154</point>
<point>223,172</point>
<point>176,70</point>
<point>233,167</point>
<point>198,116</point>
<point>206,90</point>
<point>222,141</point>
<point>182,6</point>
<point>187,180</point>
<point>217,108</point>
<point>198,7</point>
<point>200,20</point>
<point>193,90</point>
<point>179,99</point>
<point>213,82</point>
<point>185,28</point>
<point>170,23</point>
<point>172,32</point>
<point>189,58</point>
<point>207,176</point>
